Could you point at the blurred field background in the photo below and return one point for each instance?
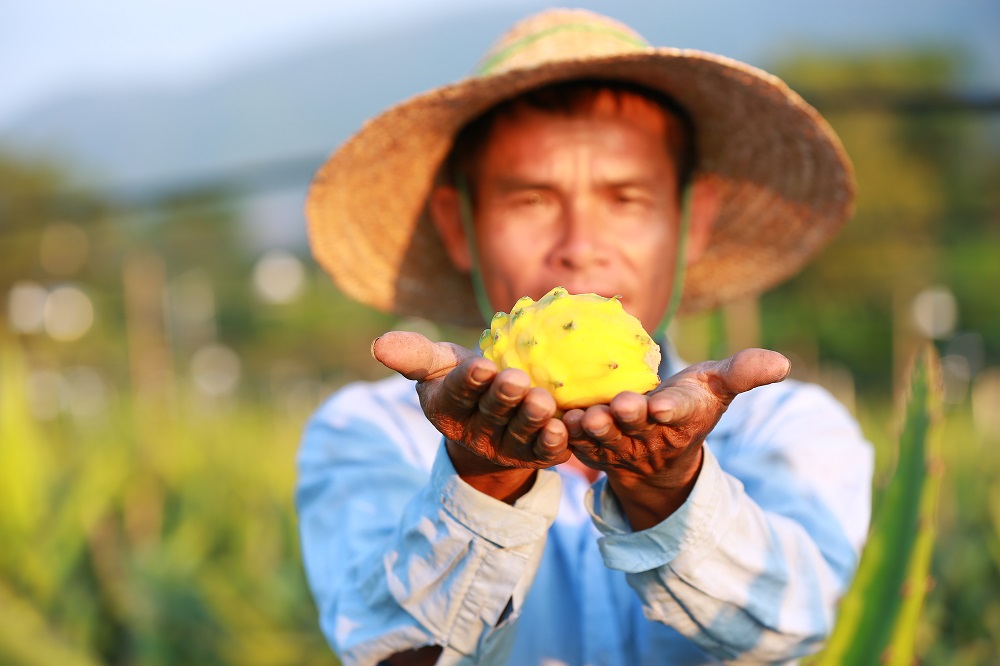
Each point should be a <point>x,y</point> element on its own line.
<point>159,355</point>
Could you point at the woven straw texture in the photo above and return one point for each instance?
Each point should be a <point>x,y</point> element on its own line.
<point>785,182</point>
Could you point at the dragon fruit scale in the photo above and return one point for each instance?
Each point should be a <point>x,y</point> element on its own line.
<point>583,348</point>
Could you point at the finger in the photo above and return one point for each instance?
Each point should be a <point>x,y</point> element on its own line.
<point>552,443</point>
<point>506,392</point>
<point>534,411</point>
<point>629,410</point>
<point>683,400</point>
<point>751,368</point>
<point>415,357</point>
<point>574,422</point>
<point>599,424</point>
<point>676,405</point>
<point>463,387</point>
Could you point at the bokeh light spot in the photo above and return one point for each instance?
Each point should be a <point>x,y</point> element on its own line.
<point>215,370</point>
<point>278,277</point>
<point>935,312</point>
<point>69,313</point>
<point>26,307</point>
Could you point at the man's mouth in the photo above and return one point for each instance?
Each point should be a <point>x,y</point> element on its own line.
<point>600,290</point>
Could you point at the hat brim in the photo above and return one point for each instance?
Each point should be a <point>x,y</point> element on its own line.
<point>785,183</point>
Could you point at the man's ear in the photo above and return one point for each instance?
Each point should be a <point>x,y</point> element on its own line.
<point>445,208</point>
<point>704,208</point>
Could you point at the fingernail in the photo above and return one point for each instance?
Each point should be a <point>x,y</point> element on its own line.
<point>534,411</point>
<point>628,414</point>
<point>509,390</point>
<point>600,432</point>
<point>480,374</point>
<point>663,415</point>
<point>549,445</point>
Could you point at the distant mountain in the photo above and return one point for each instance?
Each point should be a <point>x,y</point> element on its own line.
<point>299,107</point>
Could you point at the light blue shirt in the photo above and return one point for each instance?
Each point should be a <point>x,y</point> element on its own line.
<point>400,552</point>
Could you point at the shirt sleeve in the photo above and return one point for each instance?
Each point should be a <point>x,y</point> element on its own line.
<point>399,558</point>
<point>753,564</point>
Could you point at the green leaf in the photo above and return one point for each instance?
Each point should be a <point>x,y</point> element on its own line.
<point>878,616</point>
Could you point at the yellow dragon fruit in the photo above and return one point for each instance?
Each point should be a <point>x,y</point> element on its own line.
<point>584,348</point>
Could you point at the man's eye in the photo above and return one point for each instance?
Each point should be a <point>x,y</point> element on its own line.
<point>629,198</point>
<point>530,199</point>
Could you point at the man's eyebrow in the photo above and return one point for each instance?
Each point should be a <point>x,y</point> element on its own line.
<point>634,181</point>
<point>637,181</point>
<point>515,183</point>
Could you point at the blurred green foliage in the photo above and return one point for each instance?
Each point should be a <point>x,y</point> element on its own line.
<point>927,213</point>
<point>147,519</point>
<point>149,535</point>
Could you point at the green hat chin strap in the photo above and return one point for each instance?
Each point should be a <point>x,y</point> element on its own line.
<point>465,212</point>
<point>482,299</point>
<point>680,265</point>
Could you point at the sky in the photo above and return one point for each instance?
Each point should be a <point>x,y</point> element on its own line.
<point>53,47</point>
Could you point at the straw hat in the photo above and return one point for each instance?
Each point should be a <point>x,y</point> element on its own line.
<point>785,182</point>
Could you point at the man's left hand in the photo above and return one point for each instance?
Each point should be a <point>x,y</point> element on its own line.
<point>650,445</point>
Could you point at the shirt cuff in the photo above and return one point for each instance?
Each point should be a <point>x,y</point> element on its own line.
<point>695,525</point>
<point>508,526</point>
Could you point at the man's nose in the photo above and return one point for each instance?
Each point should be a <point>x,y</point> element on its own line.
<point>582,243</point>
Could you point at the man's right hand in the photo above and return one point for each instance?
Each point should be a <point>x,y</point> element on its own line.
<point>498,429</point>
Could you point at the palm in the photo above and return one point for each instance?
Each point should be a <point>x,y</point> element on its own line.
<point>653,435</point>
<point>494,415</point>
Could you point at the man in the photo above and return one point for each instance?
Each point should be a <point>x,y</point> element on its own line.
<point>463,522</point>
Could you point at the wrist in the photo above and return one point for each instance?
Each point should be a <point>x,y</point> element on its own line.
<point>506,484</point>
<point>649,499</point>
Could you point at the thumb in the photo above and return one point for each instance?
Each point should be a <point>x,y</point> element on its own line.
<point>751,368</point>
<point>415,357</point>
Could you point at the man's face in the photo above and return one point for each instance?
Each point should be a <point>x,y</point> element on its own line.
<point>587,202</point>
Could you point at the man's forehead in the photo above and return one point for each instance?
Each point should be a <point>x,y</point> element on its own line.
<point>606,108</point>
<point>611,141</point>
<point>534,116</point>
<point>601,102</point>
